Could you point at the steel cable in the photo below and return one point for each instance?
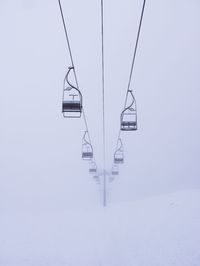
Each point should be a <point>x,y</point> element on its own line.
<point>103,99</point>
<point>72,62</point>
<point>133,60</point>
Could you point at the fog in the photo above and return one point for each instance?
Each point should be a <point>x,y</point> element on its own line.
<point>51,208</point>
<point>41,166</point>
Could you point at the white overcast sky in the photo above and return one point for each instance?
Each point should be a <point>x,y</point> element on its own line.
<point>40,151</point>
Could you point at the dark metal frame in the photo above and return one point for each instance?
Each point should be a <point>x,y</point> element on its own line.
<point>85,146</point>
<point>131,110</point>
<point>115,170</point>
<point>77,104</point>
<point>120,151</point>
<point>92,168</point>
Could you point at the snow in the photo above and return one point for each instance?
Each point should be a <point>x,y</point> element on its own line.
<point>158,231</point>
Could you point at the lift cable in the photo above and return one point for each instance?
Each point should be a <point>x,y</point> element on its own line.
<point>72,62</point>
<point>133,61</point>
<point>103,99</point>
<point>135,51</point>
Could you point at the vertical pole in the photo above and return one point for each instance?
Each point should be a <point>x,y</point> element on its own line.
<point>104,189</point>
<point>103,101</point>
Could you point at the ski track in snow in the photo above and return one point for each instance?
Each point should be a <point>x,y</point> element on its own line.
<point>158,231</point>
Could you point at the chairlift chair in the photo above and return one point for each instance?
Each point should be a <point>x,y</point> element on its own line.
<point>119,153</point>
<point>87,150</point>
<point>72,99</point>
<point>119,157</point>
<point>129,115</point>
<point>92,168</point>
<point>111,178</point>
<point>115,170</point>
<point>96,178</point>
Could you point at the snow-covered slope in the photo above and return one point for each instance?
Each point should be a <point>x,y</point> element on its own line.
<point>158,231</point>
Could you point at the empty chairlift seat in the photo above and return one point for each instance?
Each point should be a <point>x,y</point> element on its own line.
<point>119,153</point>
<point>111,178</point>
<point>87,153</point>
<point>119,157</point>
<point>87,150</point>
<point>92,168</point>
<point>96,178</point>
<point>115,170</point>
<point>72,99</point>
<point>129,114</point>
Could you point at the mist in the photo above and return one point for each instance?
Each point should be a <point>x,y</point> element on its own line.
<point>41,170</point>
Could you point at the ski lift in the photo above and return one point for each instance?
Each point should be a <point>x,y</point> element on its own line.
<point>111,178</point>
<point>92,168</point>
<point>129,115</point>
<point>72,99</point>
<point>119,153</point>
<point>87,150</point>
<point>115,170</point>
<point>96,178</point>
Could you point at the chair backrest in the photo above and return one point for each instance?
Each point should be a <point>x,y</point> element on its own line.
<point>72,99</point>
